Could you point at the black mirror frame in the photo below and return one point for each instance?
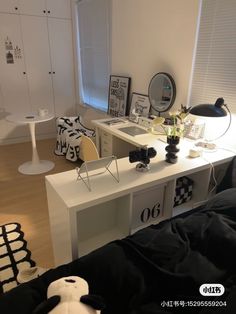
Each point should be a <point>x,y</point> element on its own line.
<point>170,78</point>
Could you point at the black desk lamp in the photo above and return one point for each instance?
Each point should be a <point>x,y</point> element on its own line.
<point>211,111</point>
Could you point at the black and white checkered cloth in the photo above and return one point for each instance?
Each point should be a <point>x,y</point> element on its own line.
<point>183,190</point>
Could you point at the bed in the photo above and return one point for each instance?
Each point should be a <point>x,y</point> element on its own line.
<point>158,269</point>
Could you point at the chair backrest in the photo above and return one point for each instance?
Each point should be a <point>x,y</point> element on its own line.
<point>88,150</point>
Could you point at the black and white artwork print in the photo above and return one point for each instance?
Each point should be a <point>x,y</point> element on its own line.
<point>119,88</point>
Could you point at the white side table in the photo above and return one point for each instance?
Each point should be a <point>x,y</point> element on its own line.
<point>35,166</point>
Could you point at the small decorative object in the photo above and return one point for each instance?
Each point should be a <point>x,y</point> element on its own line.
<point>183,190</point>
<point>70,295</point>
<point>173,127</point>
<point>119,88</point>
<point>9,58</point>
<point>8,44</point>
<point>143,155</point>
<point>194,130</point>
<point>140,106</point>
<point>172,149</point>
<point>43,112</point>
<point>17,52</point>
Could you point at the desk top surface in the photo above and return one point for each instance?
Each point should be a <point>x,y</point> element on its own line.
<point>140,140</point>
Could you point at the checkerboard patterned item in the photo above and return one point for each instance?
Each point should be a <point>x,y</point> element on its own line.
<point>14,255</point>
<point>183,190</point>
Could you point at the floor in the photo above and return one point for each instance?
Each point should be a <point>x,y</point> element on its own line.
<point>23,197</point>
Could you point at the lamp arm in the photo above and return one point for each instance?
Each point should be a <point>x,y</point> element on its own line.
<point>230,120</point>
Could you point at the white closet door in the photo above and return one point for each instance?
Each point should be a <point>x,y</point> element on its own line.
<point>60,37</point>
<point>59,8</point>
<point>13,81</point>
<point>33,7</point>
<point>9,6</point>
<point>37,58</point>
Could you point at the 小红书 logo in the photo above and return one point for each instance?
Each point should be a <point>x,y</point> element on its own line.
<point>211,289</point>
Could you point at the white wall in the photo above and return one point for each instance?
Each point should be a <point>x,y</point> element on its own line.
<point>150,36</point>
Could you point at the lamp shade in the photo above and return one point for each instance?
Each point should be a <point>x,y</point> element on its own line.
<point>208,110</point>
<point>215,117</point>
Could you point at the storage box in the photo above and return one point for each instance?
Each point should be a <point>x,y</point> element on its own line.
<point>147,207</point>
<point>183,190</point>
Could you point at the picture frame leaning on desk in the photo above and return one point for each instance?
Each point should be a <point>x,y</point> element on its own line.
<point>119,89</point>
<point>140,106</point>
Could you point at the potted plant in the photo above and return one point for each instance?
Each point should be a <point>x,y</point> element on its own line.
<point>173,128</point>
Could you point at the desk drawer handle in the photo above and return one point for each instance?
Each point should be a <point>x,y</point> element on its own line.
<point>106,150</point>
<point>106,134</point>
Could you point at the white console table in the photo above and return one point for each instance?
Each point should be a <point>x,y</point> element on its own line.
<point>82,221</point>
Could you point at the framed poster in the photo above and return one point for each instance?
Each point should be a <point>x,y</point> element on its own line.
<point>140,106</point>
<point>119,88</point>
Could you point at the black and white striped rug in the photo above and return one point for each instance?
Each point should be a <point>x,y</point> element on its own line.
<point>14,255</point>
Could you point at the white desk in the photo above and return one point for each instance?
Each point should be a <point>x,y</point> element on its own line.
<point>82,221</point>
<point>35,166</point>
<point>111,141</point>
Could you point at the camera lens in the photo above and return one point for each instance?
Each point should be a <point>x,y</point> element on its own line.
<point>151,152</point>
<point>134,156</point>
<point>142,155</point>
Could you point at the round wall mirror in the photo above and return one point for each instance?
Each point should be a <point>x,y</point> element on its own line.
<point>161,92</point>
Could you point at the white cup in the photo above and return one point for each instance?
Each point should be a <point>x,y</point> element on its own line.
<point>42,112</point>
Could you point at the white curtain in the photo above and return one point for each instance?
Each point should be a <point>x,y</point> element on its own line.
<point>214,72</point>
<point>94,51</point>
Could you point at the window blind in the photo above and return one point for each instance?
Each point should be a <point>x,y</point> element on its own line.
<point>214,72</point>
<point>94,51</point>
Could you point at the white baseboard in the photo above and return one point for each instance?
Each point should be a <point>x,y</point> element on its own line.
<point>22,139</point>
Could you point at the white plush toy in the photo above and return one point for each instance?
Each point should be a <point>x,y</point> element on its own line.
<point>70,295</point>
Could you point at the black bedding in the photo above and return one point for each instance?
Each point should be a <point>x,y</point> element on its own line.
<point>158,269</point>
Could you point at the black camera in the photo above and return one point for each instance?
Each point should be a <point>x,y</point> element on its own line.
<point>143,155</point>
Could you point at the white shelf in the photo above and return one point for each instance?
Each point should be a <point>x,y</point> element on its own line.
<point>97,241</point>
<point>147,225</point>
<point>82,221</point>
<point>182,208</point>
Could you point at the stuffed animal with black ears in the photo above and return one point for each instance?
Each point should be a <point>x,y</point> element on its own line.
<point>70,295</point>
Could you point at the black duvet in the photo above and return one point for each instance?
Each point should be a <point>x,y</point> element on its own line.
<point>158,269</point>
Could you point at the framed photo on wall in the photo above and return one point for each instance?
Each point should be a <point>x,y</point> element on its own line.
<point>139,107</point>
<point>118,97</point>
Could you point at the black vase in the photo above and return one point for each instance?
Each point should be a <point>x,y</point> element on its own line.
<point>172,149</point>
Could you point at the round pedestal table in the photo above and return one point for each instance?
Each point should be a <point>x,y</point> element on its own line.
<point>35,166</point>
